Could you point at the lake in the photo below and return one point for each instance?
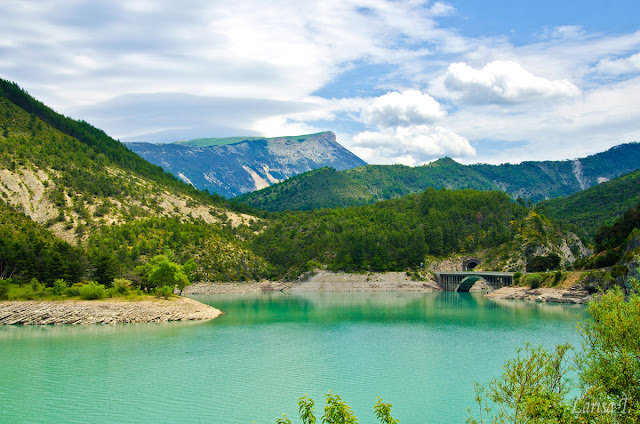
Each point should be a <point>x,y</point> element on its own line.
<point>420,352</point>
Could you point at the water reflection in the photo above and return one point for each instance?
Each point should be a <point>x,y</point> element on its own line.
<point>388,307</point>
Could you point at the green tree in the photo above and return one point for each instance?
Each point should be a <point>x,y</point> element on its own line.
<point>610,366</point>
<point>106,268</point>
<point>382,412</point>
<point>532,389</point>
<point>161,271</point>
<point>59,287</point>
<point>535,386</point>
<point>5,287</point>
<point>337,411</point>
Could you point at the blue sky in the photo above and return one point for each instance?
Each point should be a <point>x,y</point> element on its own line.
<point>402,81</point>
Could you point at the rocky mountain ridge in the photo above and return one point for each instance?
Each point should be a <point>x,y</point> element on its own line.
<point>536,181</point>
<point>231,169</point>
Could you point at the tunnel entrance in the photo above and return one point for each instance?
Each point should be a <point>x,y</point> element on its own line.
<point>470,263</point>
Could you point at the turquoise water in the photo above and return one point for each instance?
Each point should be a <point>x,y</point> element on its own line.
<point>421,352</point>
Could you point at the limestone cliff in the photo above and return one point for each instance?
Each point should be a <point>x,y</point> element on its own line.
<point>240,167</point>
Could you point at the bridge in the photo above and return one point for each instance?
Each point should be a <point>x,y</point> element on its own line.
<point>462,281</point>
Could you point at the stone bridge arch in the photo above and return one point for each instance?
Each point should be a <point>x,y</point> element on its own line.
<point>468,282</point>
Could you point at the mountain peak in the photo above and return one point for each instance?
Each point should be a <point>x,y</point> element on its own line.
<point>222,141</point>
<point>236,165</point>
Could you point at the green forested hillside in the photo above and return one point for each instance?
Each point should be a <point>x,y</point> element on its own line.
<point>82,190</point>
<point>584,212</point>
<point>72,177</point>
<point>28,250</point>
<point>391,235</point>
<point>328,188</point>
<point>369,184</point>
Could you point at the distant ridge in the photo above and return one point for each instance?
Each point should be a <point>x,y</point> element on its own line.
<point>221,141</point>
<point>328,188</point>
<point>235,165</point>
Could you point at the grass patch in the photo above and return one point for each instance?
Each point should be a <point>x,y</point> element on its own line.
<point>549,279</point>
<point>79,291</point>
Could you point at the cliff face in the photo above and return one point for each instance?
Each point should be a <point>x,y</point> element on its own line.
<point>233,169</point>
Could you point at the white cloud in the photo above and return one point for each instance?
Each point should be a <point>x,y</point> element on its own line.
<point>88,59</point>
<point>411,145</point>
<point>599,119</point>
<point>625,65</point>
<point>410,107</point>
<point>563,32</point>
<point>503,82</point>
<point>165,117</point>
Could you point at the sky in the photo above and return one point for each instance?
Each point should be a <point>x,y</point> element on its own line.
<point>398,81</point>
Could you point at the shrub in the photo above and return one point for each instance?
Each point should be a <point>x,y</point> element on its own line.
<point>92,291</point>
<point>608,258</point>
<point>543,263</point>
<point>72,291</point>
<point>533,280</point>
<point>164,291</point>
<point>59,287</point>
<point>35,285</point>
<point>619,271</point>
<point>516,277</point>
<point>5,285</point>
<point>122,285</point>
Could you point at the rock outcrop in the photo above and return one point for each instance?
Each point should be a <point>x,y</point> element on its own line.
<point>573,295</point>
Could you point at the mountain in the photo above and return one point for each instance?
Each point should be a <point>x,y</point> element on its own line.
<point>236,165</point>
<point>93,204</point>
<point>328,188</point>
<point>585,211</point>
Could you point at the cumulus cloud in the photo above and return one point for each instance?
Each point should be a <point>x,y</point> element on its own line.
<point>503,82</point>
<point>411,145</point>
<point>410,107</point>
<point>625,65</point>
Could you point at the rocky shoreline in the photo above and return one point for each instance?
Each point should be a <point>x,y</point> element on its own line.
<point>109,311</point>
<point>573,295</point>
<point>322,281</point>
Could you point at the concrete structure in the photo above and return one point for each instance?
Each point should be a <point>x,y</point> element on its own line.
<point>463,281</point>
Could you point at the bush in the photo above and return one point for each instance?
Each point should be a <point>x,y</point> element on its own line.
<point>164,291</point>
<point>538,385</point>
<point>533,280</point>
<point>608,258</point>
<point>59,287</point>
<point>5,286</point>
<point>92,291</point>
<point>35,285</point>
<point>516,278</point>
<point>72,291</point>
<point>543,263</point>
<point>619,271</point>
<point>122,285</point>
